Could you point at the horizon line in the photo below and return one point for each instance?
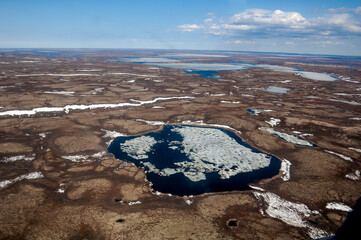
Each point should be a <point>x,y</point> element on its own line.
<point>175,49</point>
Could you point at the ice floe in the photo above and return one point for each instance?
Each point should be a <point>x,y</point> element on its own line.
<point>273,121</point>
<point>274,89</point>
<point>316,76</point>
<point>29,176</point>
<point>201,123</point>
<point>338,206</point>
<point>18,158</point>
<point>285,169</point>
<point>212,150</point>
<point>288,137</point>
<point>353,176</point>
<point>340,155</point>
<point>139,147</point>
<point>68,108</point>
<point>293,214</point>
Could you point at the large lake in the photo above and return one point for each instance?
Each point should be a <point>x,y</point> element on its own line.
<point>187,160</point>
<point>204,67</point>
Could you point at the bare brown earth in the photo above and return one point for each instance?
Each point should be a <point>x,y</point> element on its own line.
<point>96,197</point>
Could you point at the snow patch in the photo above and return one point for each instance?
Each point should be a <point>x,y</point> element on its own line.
<point>353,176</point>
<point>29,176</point>
<point>285,169</point>
<point>338,206</point>
<point>18,158</point>
<point>288,212</point>
<point>257,188</point>
<point>155,123</point>
<point>340,155</point>
<point>112,134</point>
<point>134,203</point>
<point>68,93</point>
<point>355,149</point>
<point>68,108</point>
<point>273,121</point>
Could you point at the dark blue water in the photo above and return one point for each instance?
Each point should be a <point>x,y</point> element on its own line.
<point>250,111</point>
<point>161,156</point>
<point>206,74</point>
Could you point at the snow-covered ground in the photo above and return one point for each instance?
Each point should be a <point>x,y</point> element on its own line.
<point>294,214</point>
<point>18,158</point>
<point>68,108</point>
<point>29,176</point>
<point>86,158</point>
<point>285,169</point>
<point>68,93</point>
<point>340,155</point>
<point>338,206</point>
<point>273,122</point>
<point>155,123</point>
<point>354,176</point>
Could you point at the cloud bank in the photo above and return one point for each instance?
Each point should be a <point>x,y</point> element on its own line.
<point>326,29</point>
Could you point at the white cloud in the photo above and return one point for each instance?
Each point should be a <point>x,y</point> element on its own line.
<point>244,42</point>
<point>188,27</point>
<point>277,17</point>
<point>327,43</point>
<point>264,23</point>
<point>289,43</point>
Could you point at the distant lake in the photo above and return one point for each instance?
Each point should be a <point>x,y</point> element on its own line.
<point>204,67</point>
<point>187,160</point>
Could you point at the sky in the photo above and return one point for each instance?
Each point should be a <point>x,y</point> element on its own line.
<point>308,26</point>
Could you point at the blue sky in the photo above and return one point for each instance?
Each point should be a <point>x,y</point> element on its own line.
<point>308,26</point>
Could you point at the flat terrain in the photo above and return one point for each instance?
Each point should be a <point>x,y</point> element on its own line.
<point>58,113</point>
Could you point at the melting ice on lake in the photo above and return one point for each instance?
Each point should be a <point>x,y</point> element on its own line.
<point>187,160</point>
<point>221,66</point>
<point>274,89</point>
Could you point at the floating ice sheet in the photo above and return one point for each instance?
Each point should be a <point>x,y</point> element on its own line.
<point>196,157</point>
<point>274,89</point>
